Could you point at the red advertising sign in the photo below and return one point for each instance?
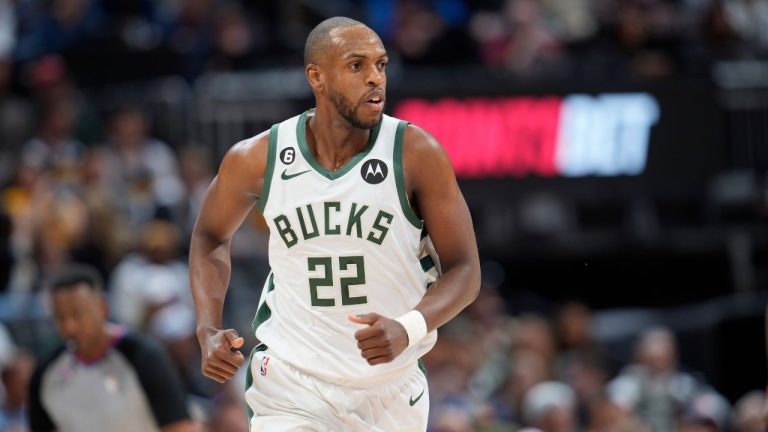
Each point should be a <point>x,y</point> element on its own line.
<point>579,135</point>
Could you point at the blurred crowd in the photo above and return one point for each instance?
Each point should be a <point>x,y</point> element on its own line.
<point>93,184</point>
<point>594,39</point>
<point>491,371</point>
<point>103,42</point>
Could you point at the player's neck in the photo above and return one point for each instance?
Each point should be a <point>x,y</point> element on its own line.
<point>334,141</point>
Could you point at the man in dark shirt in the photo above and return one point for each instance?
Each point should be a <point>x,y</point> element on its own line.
<point>102,378</point>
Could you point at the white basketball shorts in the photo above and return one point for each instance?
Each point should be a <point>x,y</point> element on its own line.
<point>282,398</point>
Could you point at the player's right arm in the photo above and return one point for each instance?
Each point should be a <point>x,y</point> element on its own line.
<point>229,199</point>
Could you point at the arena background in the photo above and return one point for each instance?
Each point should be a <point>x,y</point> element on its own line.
<point>612,153</point>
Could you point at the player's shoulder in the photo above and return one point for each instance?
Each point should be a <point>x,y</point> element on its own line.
<point>248,156</point>
<point>420,145</point>
<point>248,149</point>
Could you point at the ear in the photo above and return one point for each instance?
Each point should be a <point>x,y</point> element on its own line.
<point>315,77</point>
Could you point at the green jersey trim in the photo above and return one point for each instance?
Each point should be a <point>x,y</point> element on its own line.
<point>422,367</point>
<point>271,156</point>
<point>249,376</point>
<point>400,177</point>
<point>427,263</point>
<point>301,135</point>
<point>264,312</point>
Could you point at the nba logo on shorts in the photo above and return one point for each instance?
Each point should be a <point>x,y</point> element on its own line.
<point>264,363</point>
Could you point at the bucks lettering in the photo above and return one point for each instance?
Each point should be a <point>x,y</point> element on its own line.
<point>332,218</point>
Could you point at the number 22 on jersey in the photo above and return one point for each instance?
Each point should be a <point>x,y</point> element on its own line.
<point>324,266</point>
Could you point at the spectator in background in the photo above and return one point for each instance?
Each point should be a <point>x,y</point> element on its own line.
<point>16,120</point>
<point>151,278</point>
<point>749,414</point>
<point>749,18</point>
<point>706,412</point>
<point>235,40</point>
<point>6,255</point>
<point>65,116</point>
<point>142,170</point>
<point>63,228</point>
<point>452,419</point>
<point>48,214</point>
<point>7,350</point>
<point>55,151</point>
<point>518,39</point>
<point>137,24</point>
<point>103,378</point>
<point>573,327</point>
<point>58,26</point>
<point>574,20</point>
<point>450,364</point>
<point>526,369</point>
<point>431,33</point>
<point>191,35</point>
<point>550,407</point>
<point>513,357</point>
<point>492,331</point>
<point>606,416</point>
<point>586,374</point>
<point>580,361</point>
<point>15,113</point>
<point>718,36</point>
<point>654,386</point>
<point>50,80</point>
<point>7,28</point>
<point>535,333</point>
<point>15,380</point>
<point>24,199</point>
<point>649,49</point>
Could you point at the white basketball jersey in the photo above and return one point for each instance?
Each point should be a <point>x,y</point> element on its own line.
<point>341,243</point>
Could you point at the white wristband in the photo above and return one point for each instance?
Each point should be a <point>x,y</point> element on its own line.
<point>415,325</point>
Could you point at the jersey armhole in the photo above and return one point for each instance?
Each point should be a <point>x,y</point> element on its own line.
<point>271,150</point>
<point>400,177</point>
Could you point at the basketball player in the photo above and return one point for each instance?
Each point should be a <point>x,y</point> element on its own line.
<point>348,194</point>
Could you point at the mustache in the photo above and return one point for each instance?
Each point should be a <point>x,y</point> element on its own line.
<point>375,92</point>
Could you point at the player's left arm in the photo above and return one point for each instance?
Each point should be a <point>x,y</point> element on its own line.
<point>431,185</point>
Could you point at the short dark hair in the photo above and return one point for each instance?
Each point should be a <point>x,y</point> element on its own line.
<point>319,38</point>
<point>74,275</point>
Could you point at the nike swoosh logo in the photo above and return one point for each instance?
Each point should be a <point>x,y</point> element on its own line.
<point>286,176</point>
<point>413,401</point>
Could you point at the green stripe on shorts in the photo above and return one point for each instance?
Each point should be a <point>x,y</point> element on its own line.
<point>249,377</point>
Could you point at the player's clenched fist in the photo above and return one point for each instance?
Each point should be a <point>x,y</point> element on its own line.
<point>382,340</point>
<point>220,362</point>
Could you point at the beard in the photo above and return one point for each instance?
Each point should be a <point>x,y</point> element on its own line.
<point>347,111</point>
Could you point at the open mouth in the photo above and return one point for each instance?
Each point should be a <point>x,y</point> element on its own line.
<point>376,101</point>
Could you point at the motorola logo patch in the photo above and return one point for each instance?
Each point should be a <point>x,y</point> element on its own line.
<point>374,171</point>
<point>287,156</point>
